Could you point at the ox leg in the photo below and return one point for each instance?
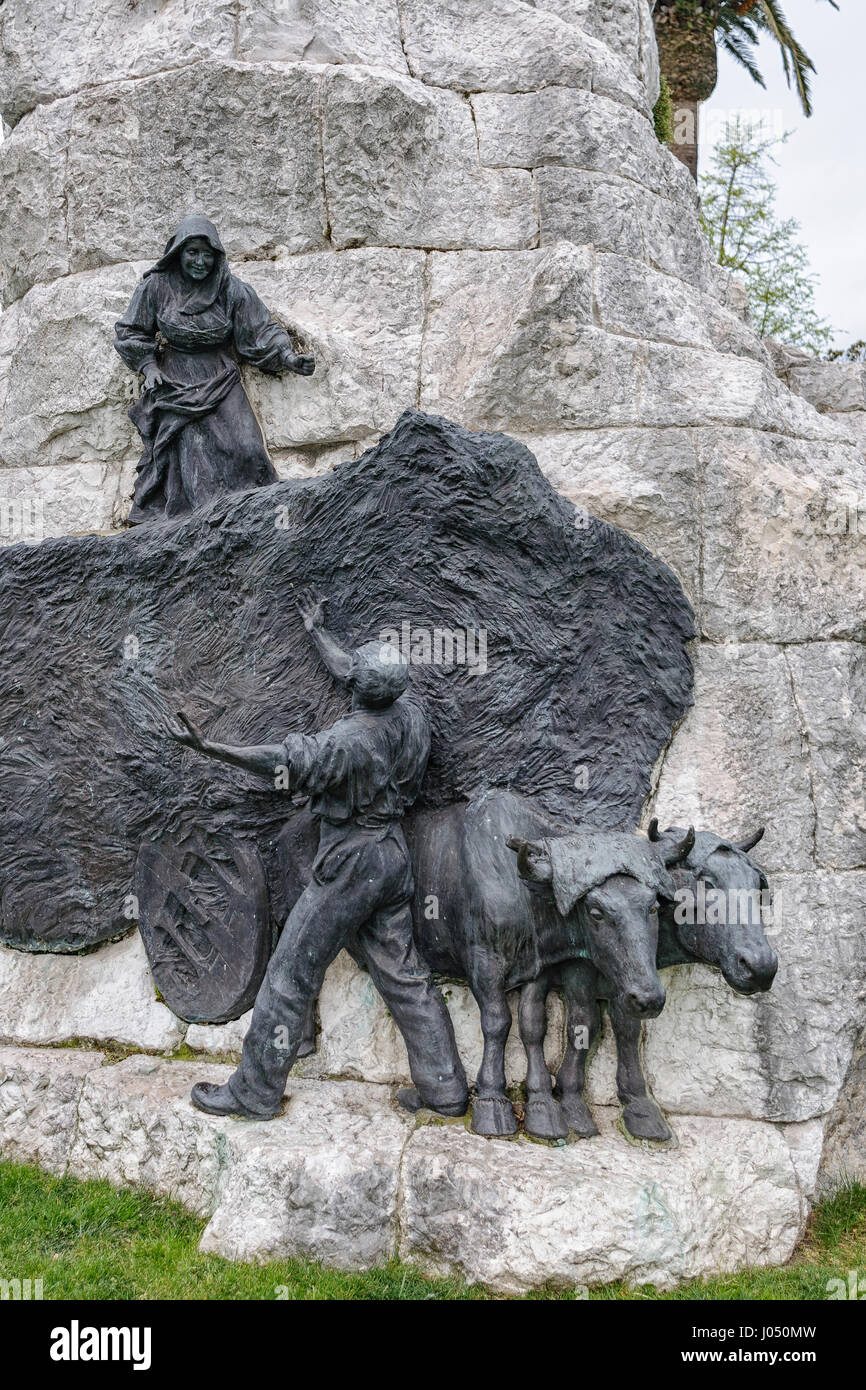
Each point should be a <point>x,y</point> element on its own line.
<point>492,1111</point>
<point>544,1117</point>
<point>641,1116</point>
<point>579,984</point>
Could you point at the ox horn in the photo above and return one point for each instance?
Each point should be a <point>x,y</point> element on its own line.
<point>653,831</point>
<point>682,850</point>
<point>751,841</point>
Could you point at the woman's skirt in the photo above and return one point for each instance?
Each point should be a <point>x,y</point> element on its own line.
<point>200,436</point>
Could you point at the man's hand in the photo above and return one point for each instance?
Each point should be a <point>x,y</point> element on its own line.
<point>301,365</point>
<point>152,376</point>
<point>311,606</point>
<point>182,729</point>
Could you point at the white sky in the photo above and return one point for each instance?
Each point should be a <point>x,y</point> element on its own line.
<point>821,173</point>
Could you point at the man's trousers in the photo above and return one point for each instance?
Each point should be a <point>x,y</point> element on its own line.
<point>359,898</point>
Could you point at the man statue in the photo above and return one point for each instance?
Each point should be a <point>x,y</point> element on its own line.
<point>361,775</point>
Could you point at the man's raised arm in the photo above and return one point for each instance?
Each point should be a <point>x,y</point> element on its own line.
<point>311,607</point>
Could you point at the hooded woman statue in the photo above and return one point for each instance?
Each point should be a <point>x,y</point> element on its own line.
<point>188,326</point>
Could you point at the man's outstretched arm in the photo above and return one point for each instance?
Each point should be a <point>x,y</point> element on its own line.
<point>311,607</point>
<point>263,758</point>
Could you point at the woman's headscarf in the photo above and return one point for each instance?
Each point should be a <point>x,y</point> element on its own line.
<point>191,297</point>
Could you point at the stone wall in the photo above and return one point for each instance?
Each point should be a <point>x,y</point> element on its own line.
<point>837,389</point>
<point>461,204</point>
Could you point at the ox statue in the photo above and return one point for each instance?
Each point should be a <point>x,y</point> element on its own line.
<point>500,929</point>
<point>716,918</point>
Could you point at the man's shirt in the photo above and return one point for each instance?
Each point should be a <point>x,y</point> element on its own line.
<point>367,768</point>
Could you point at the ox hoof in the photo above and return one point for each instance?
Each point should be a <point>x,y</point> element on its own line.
<point>544,1118</point>
<point>493,1115</point>
<point>643,1120</point>
<point>580,1121</point>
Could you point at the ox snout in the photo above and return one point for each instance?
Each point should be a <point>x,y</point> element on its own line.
<point>756,970</point>
<point>645,1003</point>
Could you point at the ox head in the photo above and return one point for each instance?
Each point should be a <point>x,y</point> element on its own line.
<point>612,884</point>
<point>718,916</point>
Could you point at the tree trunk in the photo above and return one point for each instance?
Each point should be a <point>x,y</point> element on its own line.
<point>688,59</point>
<point>685,141</point>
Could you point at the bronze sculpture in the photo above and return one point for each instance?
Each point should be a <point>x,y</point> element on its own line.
<point>361,775</point>
<point>734,943</point>
<point>189,324</point>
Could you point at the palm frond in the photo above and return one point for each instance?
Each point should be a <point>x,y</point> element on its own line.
<point>795,59</point>
<point>741,55</point>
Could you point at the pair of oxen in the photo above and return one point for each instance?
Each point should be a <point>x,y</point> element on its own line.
<point>507,900</point>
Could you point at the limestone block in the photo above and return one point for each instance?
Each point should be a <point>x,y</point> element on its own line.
<point>733,294</point>
<point>579,12</point>
<point>518,1215</point>
<point>402,169</point>
<point>493,45</point>
<point>62,500</point>
<point>127,161</point>
<point>650,72</point>
<point>39,1092</point>
<point>618,24</point>
<point>311,461</point>
<point>634,300</point>
<point>806,1142</point>
<point>613,77</point>
<point>810,1020</point>
<point>65,390</point>
<point>137,1127</point>
<point>685,385</point>
<point>646,481</point>
<point>701,1056</point>
<point>739,759</point>
<point>566,126</point>
<point>51,48</point>
<point>844,1156</point>
<point>787,355</point>
<point>321,31</point>
<point>615,214</point>
<point>835,386</point>
<point>320,1184</point>
<point>223,1039</point>
<point>703,1053</point>
<point>510,344</point>
<point>8,343</point>
<point>107,995</point>
<point>829,681</point>
<point>361,314</point>
<point>784,558</point>
<point>854,424</point>
<point>358,1038</point>
<point>33,239</point>
<point>475,46</point>
<point>624,26</point>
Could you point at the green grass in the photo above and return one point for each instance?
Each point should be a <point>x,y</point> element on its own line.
<point>88,1240</point>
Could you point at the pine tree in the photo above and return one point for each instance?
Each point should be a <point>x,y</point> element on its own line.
<point>749,238</point>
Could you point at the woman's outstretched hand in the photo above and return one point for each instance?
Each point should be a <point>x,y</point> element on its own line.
<point>152,377</point>
<point>311,606</point>
<point>302,365</point>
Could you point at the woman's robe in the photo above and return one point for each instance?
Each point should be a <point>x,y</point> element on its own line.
<point>199,431</point>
